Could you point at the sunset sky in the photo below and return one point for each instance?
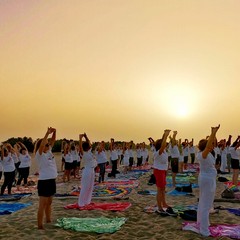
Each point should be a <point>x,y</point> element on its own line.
<point>126,69</point>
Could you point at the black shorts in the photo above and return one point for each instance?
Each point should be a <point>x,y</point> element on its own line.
<point>46,188</point>
<point>68,166</point>
<point>78,164</point>
<point>130,161</point>
<point>185,159</point>
<point>74,164</point>
<point>235,164</point>
<point>174,165</point>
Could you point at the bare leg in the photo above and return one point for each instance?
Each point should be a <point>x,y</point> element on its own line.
<point>41,210</point>
<point>48,210</point>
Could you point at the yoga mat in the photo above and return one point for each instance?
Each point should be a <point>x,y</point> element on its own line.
<point>177,208</point>
<point>177,193</point>
<point>119,183</point>
<point>8,208</point>
<point>97,225</point>
<point>194,185</point>
<point>230,183</point>
<point>101,206</point>
<point>231,200</point>
<point>220,230</point>
<point>109,192</point>
<point>14,197</point>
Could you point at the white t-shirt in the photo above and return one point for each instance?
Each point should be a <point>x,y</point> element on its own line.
<point>68,158</point>
<point>130,151</point>
<point>175,152</point>
<point>47,165</point>
<point>74,155</point>
<point>8,164</point>
<point>160,162</point>
<point>139,153</point>
<point>114,155</point>
<point>185,151</point>
<point>15,157</point>
<point>192,150</point>
<point>25,160</point>
<point>126,158</point>
<point>88,160</point>
<point>234,153</point>
<point>207,165</point>
<point>101,157</point>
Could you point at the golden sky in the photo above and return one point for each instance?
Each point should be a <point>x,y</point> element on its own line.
<point>122,69</point>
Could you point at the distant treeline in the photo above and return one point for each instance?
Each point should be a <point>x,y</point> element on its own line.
<point>29,143</point>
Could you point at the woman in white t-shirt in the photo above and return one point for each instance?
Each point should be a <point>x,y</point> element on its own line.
<point>8,169</point>
<point>47,175</point>
<point>101,161</point>
<point>126,157</point>
<point>24,167</point>
<point>235,156</point>
<point>68,162</point>
<point>88,173</point>
<point>206,181</point>
<point>160,165</point>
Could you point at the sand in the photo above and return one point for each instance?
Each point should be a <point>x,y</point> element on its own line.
<point>140,225</point>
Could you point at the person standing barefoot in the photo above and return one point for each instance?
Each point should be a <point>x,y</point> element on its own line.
<point>206,181</point>
<point>47,175</point>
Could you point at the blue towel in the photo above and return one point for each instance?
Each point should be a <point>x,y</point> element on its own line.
<point>8,208</point>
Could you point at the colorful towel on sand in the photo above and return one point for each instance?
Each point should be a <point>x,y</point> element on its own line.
<point>130,175</point>
<point>177,208</point>
<point>8,208</point>
<point>181,179</point>
<point>177,193</point>
<point>29,189</point>
<point>101,206</point>
<point>221,230</point>
<point>109,192</point>
<point>119,183</point>
<point>230,184</point>
<point>97,225</point>
<point>14,197</point>
<point>194,185</point>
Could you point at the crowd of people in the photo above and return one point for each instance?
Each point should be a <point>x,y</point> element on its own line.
<point>169,153</point>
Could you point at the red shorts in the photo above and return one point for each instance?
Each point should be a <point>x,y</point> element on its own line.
<point>160,176</point>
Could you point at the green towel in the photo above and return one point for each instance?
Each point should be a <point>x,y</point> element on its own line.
<point>98,225</point>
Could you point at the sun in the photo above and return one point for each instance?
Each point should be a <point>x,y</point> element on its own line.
<point>182,111</point>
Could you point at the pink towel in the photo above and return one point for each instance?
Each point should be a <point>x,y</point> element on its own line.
<point>101,206</point>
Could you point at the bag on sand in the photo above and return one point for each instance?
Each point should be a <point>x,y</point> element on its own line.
<point>188,215</point>
<point>187,189</point>
<point>227,193</point>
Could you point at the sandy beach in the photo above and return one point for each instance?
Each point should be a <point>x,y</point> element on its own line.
<point>22,224</point>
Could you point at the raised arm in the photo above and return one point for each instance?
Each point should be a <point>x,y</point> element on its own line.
<point>228,143</point>
<point>111,144</point>
<point>211,141</point>
<point>164,141</point>
<point>80,144</point>
<point>22,146</point>
<point>174,141</point>
<point>44,141</point>
<point>53,138</point>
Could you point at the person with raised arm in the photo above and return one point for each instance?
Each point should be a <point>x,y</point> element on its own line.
<point>192,151</point>
<point>8,169</point>
<point>25,163</point>
<point>160,165</point>
<point>113,157</point>
<point>47,175</point>
<point>235,160</point>
<point>101,161</point>
<point>206,181</point>
<point>88,173</point>
<point>174,158</point>
<point>228,144</point>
